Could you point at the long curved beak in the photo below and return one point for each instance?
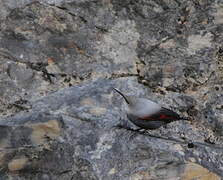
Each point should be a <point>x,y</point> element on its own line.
<point>122,95</point>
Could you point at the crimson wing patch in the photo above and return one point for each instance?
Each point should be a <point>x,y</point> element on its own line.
<point>163,115</point>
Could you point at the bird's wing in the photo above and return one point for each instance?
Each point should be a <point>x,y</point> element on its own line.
<point>163,114</point>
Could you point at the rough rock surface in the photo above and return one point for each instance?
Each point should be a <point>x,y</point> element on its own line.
<point>58,63</point>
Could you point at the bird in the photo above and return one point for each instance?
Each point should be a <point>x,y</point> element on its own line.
<point>146,114</point>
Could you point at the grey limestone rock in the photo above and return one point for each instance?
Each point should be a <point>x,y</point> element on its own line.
<point>60,118</point>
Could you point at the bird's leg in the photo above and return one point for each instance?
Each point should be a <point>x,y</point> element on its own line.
<point>141,130</point>
<point>124,125</point>
<point>148,133</point>
<point>121,126</point>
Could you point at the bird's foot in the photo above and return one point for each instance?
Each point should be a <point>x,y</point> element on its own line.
<point>141,130</point>
<point>120,126</point>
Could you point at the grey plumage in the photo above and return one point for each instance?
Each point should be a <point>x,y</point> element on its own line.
<point>147,114</point>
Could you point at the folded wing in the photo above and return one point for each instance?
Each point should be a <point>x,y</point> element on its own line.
<point>163,114</point>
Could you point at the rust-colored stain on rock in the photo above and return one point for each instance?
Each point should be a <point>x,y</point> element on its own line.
<point>50,129</point>
<point>17,164</point>
<point>2,155</point>
<point>87,102</point>
<point>50,60</point>
<point>141,175</point>
<point>98,111</point>
<point>4,142</point>
<point>194,171</point>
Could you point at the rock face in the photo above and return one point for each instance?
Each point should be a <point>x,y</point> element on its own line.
<point>59,116</point>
